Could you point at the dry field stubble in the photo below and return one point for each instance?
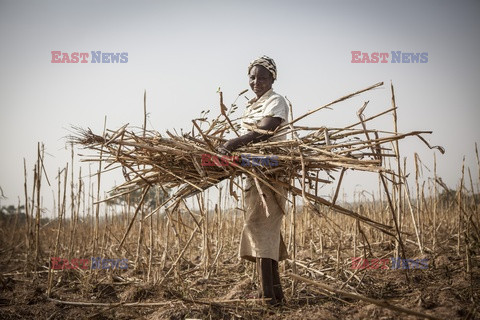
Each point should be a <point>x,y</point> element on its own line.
<point>190,268</point>
<point>183,258</point>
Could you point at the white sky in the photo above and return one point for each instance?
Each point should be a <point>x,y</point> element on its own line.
<point>181,52</point>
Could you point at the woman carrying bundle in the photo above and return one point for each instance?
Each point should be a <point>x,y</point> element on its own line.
<point>261,239</point>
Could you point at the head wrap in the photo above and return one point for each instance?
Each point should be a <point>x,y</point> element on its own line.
<point>266,62</point>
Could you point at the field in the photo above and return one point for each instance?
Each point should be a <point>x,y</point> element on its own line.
<point>183,263</point>
<point>405,252</point>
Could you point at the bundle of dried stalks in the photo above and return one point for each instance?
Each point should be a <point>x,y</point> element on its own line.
<point>175,161</point>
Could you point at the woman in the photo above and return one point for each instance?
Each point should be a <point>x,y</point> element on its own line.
<point>261,240</point>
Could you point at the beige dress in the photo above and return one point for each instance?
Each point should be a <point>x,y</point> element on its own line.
<point>261,236</point>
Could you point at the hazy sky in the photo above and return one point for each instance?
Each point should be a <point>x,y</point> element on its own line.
<point>182,51</point>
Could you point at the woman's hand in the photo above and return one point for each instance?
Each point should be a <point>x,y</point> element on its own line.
<point>224,150</point>
<point>267,124</point>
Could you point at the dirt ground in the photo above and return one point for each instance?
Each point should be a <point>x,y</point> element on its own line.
<point>444,290</point>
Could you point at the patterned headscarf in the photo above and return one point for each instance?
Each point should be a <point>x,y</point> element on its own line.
<point>266,62</point>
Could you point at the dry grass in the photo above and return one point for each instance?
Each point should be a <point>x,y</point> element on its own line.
<point>183,259</point>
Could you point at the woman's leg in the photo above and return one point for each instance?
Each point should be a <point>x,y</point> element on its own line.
<point>259,273</point>
<point>277,285</point>
<point>265,268</point>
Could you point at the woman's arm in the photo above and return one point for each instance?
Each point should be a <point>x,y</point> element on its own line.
<point>267,123</point>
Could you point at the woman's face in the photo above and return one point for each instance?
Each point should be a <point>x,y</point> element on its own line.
<point>261,80</point>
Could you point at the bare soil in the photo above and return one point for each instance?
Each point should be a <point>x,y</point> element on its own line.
<point>444,290</point>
